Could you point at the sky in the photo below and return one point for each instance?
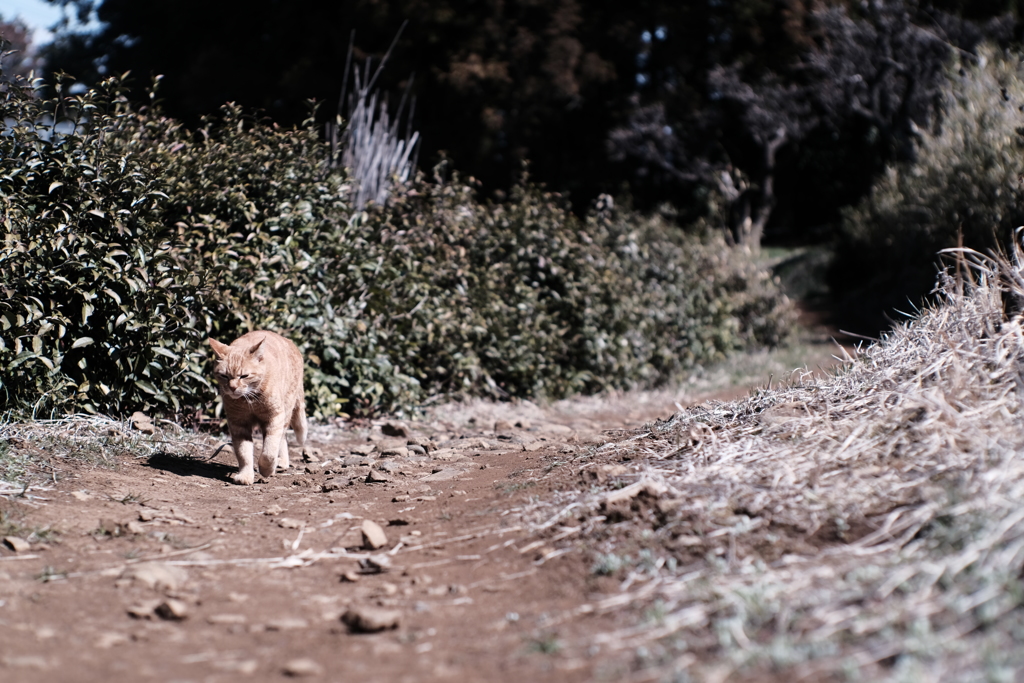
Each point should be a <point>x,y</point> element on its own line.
<point>38,15</point>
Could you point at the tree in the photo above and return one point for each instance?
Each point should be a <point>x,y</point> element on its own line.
<point>497,81</point>
<point>869,79</point>
<point>17,57</point>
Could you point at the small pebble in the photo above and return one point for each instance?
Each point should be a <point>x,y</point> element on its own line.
<point>373,535</point>
<point>302,667</point>
<point>172,610</point>
<point>18,545</point>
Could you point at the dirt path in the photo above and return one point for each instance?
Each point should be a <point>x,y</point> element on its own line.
<point>159,569</point>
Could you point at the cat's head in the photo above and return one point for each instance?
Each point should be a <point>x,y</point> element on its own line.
<point>239,370</point>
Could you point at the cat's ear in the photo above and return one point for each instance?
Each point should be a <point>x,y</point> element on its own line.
<point>255,350</point>
<point>220,349</point>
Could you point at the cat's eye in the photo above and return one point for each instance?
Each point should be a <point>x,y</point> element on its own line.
<point>242,376</point>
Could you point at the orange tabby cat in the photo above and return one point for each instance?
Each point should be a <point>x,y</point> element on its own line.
<point>260,378</point>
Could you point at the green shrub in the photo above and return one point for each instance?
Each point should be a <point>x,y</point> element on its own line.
<point>524,299</point>
<point>966,177</point>
<point>129,240</point>
<point>98,310</point>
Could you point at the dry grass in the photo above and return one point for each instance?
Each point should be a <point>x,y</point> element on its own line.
<point>866,525</point>
<point>32,452</point>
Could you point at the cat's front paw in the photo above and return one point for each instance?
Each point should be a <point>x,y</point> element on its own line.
<point>244,478</point>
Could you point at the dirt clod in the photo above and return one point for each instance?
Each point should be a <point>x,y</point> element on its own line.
<point>396,429</point>
<point>371,619</point>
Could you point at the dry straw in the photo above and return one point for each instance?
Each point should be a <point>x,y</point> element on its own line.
<point>870,522</point>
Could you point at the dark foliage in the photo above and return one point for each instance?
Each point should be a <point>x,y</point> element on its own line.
<point>865,81</point>
<point>128,239</point>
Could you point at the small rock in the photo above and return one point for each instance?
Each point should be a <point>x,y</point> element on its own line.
<point>417,449</point>
<point>289,523</point>
<point>172,610</point>
<point>445,474</point>
<point>373,535</point>
<point>523,424</point>
<point>302,667</point>
<point>142,422</point>
<point>445,454</point>
<point>394,452</point>
<point>375,564</point>
<point>395,429</point>
<point>534,446</point>
<point>145,609</point>
<point>312,468</point>
<point>364,449</point>
<point>502,427</point>
<point>377,477</point>
<point>388,466</point>
<point>401,498</point>
<point>134,528</point>
<point>81,495</point>
<point>350,577</point>
<point>147,515</point>
<point>273,510</point>
<point>157,575</point>
<point>371,619</point>
<point>18,545</point>
<point>311,454</point>
<point>335,484</point>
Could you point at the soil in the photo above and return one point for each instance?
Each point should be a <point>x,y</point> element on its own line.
<point>160,569</point>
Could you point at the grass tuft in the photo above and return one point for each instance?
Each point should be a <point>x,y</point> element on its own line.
<point>869,521</point>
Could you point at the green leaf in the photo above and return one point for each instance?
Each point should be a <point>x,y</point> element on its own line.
<point>147,387</point>
<point>166,352</point>
<point>82,341</point>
